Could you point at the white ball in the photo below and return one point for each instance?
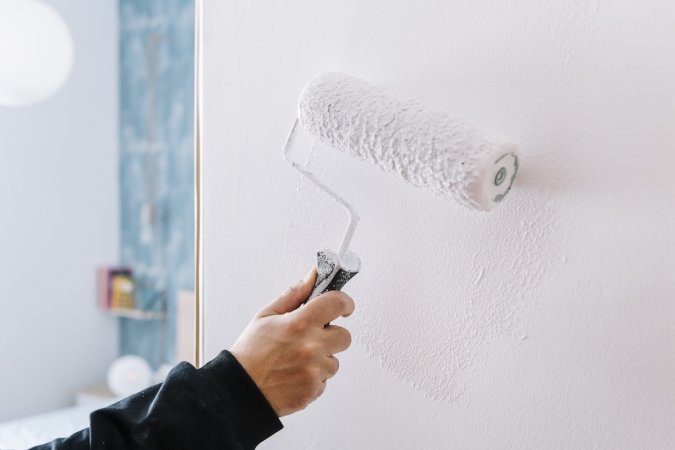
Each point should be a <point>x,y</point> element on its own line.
<point>128,375</point>
<point>36,51</point>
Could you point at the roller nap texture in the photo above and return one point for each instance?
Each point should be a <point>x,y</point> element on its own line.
<point>427,148</point>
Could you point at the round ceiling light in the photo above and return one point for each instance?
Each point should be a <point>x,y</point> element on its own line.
<point>36,51</point>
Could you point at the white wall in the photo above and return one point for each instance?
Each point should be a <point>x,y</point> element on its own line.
<point>548,323</point>
<point>58,221</point>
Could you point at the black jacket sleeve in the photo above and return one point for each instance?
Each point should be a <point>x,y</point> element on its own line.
<point>215,407</point>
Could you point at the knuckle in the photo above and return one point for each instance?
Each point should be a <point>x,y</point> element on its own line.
<point>341,300</point>
<point>344,302</point>
<point>311,348</point>
<point>291,290</point>
<point>306,375</point>
<point>305,352</point>
<point>333,299</point>
<point>295,327</point>
<point>313,374</point>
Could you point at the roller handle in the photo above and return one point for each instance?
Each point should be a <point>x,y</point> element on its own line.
<point>331,273</point>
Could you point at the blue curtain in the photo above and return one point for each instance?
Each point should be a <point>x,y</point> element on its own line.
<point>156,68</point>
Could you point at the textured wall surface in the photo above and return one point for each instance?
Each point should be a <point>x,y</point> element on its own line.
<point>156,164</point>
<point>547,323</point>
<point>58,222</point>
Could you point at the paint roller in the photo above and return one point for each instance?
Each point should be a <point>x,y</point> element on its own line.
<point>456,158</point>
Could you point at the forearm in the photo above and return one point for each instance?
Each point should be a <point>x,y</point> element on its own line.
<point>215,407</point>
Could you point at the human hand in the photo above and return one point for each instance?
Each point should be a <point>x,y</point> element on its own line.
<point>287,349</point>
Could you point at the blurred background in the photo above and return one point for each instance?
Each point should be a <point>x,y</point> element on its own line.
<point>96,204</point>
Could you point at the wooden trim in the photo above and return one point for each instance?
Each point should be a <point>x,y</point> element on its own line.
<point>199,306</point>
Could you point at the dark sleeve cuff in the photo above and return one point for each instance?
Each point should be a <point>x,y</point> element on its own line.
<point>255,420</point>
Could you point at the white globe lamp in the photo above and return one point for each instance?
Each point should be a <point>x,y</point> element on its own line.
<point>128,375</point>
<point>36,51</point>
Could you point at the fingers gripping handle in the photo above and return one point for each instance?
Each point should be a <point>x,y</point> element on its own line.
<point>334,272</point>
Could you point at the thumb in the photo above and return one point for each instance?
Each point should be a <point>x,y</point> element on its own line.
<point>294,296</point>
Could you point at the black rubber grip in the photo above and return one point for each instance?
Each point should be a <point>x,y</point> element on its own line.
<point>330,275</point>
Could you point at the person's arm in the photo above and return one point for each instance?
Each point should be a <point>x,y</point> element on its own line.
<point>278,366</point>
<point>215,407</point>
